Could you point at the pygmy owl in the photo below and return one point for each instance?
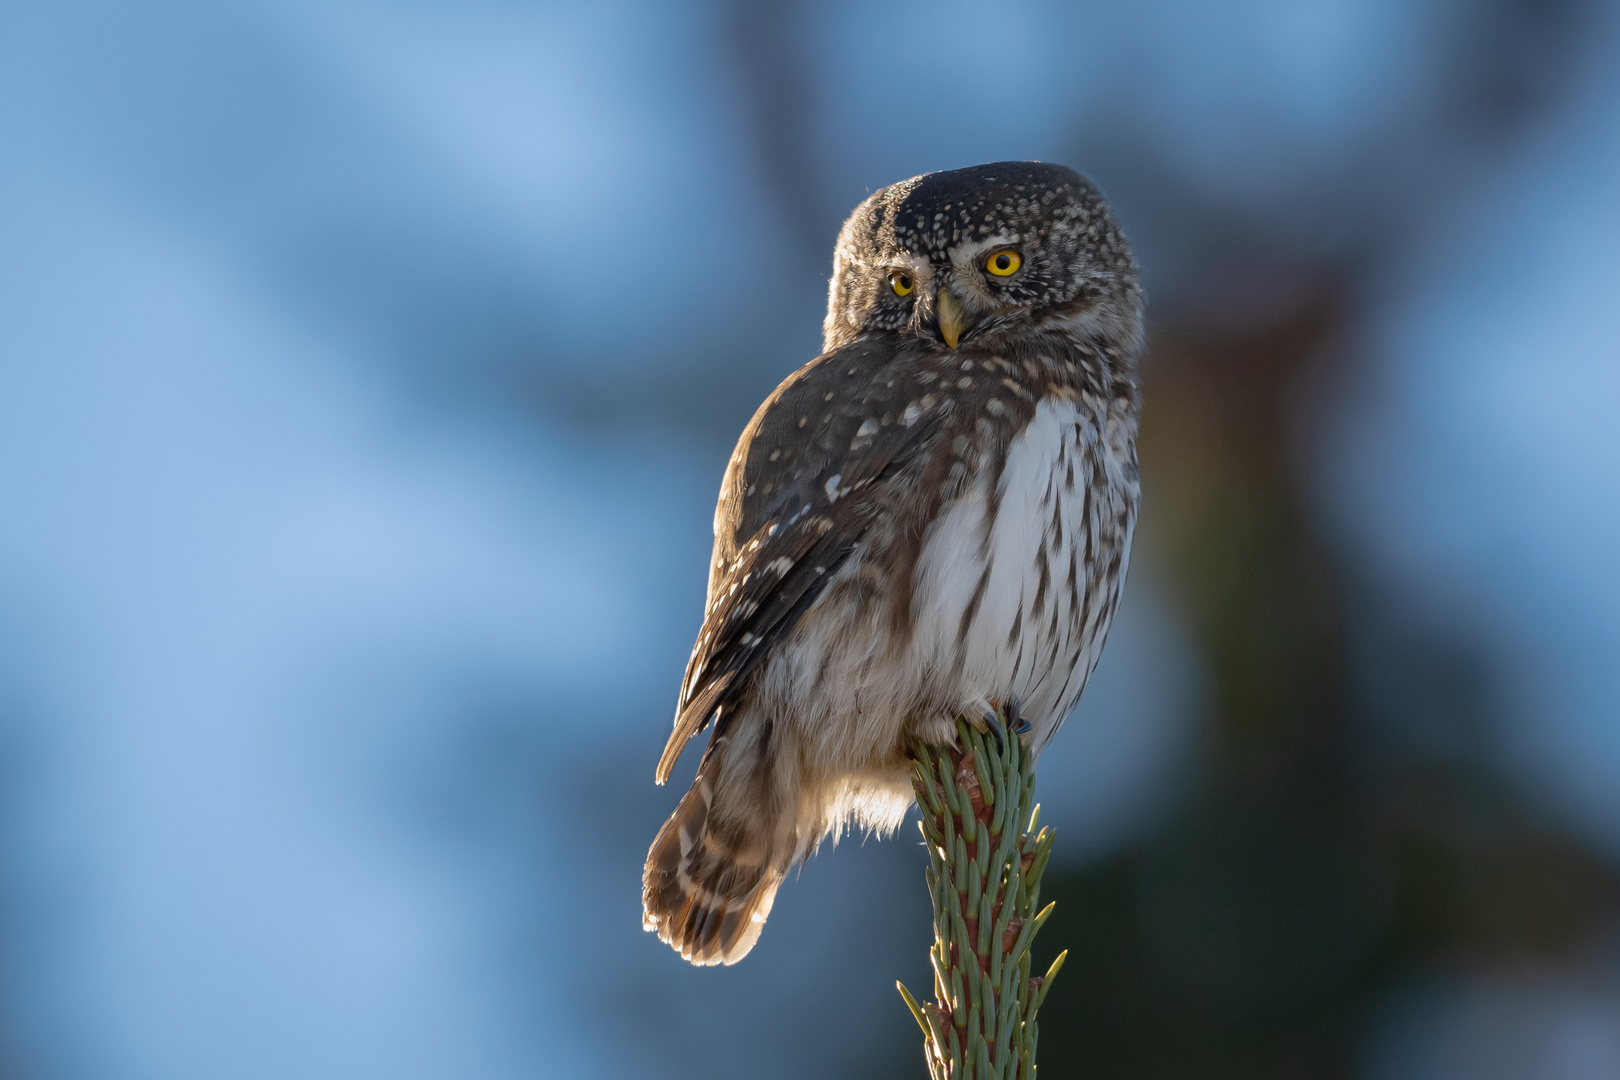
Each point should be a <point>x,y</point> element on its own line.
<point>931,519</point>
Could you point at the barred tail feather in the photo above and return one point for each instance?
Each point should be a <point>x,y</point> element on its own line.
<point>706,890</point>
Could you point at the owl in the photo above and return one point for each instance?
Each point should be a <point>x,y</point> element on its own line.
<point>931,519</point>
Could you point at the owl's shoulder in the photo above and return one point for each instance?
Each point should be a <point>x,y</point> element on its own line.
<point>836,420</point>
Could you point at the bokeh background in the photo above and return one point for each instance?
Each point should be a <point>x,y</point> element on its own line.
<point>366,376</point>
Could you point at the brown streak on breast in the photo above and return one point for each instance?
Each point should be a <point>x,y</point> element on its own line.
<point>971,612</point>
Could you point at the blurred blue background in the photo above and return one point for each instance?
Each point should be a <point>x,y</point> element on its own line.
<point>366,376</point>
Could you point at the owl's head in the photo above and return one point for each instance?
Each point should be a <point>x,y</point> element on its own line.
<point>963,255</point>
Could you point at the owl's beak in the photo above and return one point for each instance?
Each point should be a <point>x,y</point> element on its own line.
<point>953,318</point>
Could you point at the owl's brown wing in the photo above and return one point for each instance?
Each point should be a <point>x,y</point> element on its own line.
<point>805,483</point>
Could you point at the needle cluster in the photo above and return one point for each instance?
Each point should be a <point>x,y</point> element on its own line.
<point>986,852</point>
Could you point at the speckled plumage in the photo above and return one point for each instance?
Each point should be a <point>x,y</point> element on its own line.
<point>907,531</point>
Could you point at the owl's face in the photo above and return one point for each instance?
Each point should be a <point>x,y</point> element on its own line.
<point>962,255</point>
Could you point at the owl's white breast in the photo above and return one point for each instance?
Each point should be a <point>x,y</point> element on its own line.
<point>1004,601</point>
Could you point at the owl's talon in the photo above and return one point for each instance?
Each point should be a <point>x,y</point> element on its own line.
<point>992,723</point>
<point>1015,715</point>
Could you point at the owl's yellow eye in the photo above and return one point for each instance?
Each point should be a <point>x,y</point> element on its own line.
<point>901,283</point>
<point>1004,263</point>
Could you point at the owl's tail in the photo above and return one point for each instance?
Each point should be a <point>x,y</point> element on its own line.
<point>708,885</point>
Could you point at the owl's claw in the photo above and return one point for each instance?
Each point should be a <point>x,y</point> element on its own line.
<point>1015,714</point>
<point>992,724</point>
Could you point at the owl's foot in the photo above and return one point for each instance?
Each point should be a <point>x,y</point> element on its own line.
<point>999,717</point>
<point>985,714</point>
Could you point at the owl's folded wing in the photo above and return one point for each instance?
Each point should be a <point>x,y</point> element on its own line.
<point>803,497</point>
